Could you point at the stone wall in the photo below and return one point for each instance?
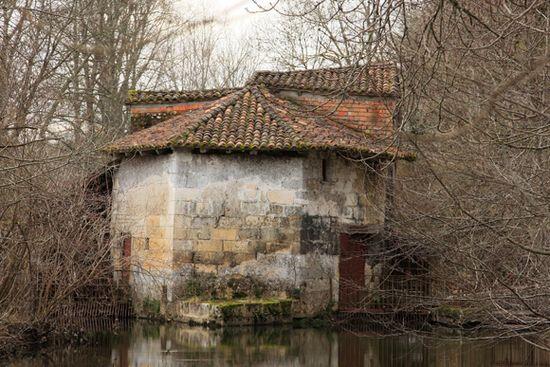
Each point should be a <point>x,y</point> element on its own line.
<point>230,208</point>
<point>141,207</point>
<point>276,218</point>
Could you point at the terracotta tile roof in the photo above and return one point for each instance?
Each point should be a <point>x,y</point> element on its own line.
<point>156,97</point>
<point>251,119</point>
<point>372,80</point>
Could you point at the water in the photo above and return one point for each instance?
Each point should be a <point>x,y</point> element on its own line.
<point>151,345</point>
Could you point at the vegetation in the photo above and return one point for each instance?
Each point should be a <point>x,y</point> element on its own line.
<point>473,80</point>
<point>208,286</point>
<point>65,70</point>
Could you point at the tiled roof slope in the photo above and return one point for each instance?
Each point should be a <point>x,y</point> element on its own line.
<point>158,97</point>
<point>372,80</point>
<point>250,119</point>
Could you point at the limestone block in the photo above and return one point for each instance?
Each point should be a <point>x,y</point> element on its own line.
<point>181,233</point>
<point>203,222</point>
<point>209,245</point>
<point>269,234</point>
<point>157,259</point>
<point>182,257</point>
<point>224,234</point>
<point>183,245</point>
<point>200,234</point>
<point>182,221</point>
<point>158,232</point>
<point>188,194</point>
<point>230,222</point>
<point>289,234</point>
<point>242,257</point>
<point>285,197</point>
<point>296,183</point>
<point>188,208</point>
<point>157,200</point>
<point>254,220</point>
<point>302,195</point>
<point>159,245</point>
<point>204,234</point>
<point>292,210</point>
<point>255,208</point>
<point>277,222</point>
<point>247,195</point>
<point>277,247</point>
<point>205,268</point>
<point>209,209</point>
<point>275,209</point>
<point>249,233</point>
<point>250,186</point>
<point>238,246</point>
<point>152,221</point>
<point>136,204</point>
<point>208,257</point>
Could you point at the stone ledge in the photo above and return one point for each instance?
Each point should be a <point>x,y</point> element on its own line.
<point>232,312</point>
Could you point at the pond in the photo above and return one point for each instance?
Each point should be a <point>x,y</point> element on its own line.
<point>149,345</point>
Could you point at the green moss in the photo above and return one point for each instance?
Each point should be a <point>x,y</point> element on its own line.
<point>259,308</point>
<point>229,309</point>
<point>132,93</point>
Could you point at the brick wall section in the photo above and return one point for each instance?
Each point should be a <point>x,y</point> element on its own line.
<point>144,116</point>
<point>373,115</point>
<point>177,107</point>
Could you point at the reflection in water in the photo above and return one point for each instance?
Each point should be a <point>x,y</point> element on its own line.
<point>148,345</point>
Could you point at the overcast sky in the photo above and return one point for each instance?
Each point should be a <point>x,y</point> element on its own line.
<point>239,15</point>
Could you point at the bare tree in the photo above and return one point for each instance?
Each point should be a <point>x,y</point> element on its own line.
<point>206,54</point>
<point>474,105</point>
<point>474,82</point>
<point>65,68</point>
<point>331,33</point>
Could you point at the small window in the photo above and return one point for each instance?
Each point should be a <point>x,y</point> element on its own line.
<point>146,243</point>
<point>324,172</point>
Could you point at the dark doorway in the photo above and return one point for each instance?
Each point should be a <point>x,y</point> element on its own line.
<point>352,273</point>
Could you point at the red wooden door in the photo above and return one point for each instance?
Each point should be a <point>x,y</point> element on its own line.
<point>126,254</point>
<point>352,274</point>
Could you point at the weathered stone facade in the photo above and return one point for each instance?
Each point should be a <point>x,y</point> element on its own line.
<point>276,218</point>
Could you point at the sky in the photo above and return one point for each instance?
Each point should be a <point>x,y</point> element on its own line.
<point>237,11</point>
<point>238,21</point>
<point>239,15</point>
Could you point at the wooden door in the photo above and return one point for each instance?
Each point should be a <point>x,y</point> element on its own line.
<point>352,274</point>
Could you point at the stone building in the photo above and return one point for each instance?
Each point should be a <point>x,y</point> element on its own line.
<point>267,181</point>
